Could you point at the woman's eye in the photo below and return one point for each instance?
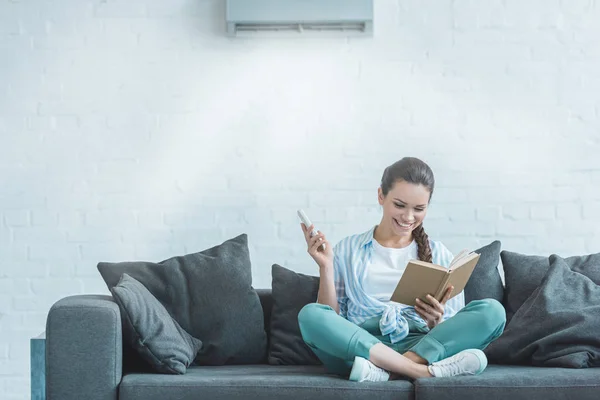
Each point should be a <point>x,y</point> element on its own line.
<point>402,206</point>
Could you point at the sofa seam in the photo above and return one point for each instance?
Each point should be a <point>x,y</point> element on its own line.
<point>117,322</point>
<point>411,390</point>
<point>503,387</point>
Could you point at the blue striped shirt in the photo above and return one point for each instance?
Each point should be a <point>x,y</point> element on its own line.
<point>351,258</point>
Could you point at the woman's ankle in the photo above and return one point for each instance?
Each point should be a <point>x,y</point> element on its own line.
<point>424,371</point>
<point>415,358</point>
<point>396,363</point>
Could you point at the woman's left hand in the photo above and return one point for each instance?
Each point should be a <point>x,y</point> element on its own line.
<point>432,313</point>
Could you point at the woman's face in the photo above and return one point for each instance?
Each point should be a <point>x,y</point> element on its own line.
<point>404,207</point>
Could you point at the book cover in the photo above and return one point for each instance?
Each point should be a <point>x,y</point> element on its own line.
<point>422,278</point>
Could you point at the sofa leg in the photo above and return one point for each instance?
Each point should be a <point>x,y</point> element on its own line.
<point>37,347</point>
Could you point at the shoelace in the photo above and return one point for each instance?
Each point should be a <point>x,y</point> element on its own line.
<point>374,371</point>
<point>452,366</point>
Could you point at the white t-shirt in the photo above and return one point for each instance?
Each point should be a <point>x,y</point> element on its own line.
<point>386,267</point>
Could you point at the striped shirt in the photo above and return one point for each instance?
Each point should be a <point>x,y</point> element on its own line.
<point>351,258</point>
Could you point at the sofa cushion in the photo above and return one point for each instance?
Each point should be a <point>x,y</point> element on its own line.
<point>485,281</point>
<point>210,295</point>
<point>148,328</point>
<point>500,382</point>
<point>290,292</point>
<point>266,302</point>
<point>524,273</point>
<point>238,382</point>
<point>558,324</point>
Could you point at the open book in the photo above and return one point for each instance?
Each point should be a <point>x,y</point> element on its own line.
<point>422,278</point>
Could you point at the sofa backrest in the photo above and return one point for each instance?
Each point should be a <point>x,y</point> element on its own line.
<point>266,301</point>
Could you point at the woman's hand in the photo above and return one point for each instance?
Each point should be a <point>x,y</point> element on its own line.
<point>324,258</point>
<point>433,312</point>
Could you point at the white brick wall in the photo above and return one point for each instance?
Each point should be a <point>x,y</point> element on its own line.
<point>136,130</point>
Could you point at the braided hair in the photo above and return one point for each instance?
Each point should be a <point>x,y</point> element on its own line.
<point>412,170</point>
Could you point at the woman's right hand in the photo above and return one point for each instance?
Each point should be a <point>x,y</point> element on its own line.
<point>324,258</point>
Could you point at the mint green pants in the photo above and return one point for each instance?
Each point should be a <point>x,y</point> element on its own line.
<point>336,341</point>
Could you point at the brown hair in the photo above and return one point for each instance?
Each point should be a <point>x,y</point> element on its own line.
<point>411,170</point>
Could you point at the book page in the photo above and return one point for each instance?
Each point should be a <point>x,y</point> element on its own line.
<point>460,256</point>
<point>460,274</point>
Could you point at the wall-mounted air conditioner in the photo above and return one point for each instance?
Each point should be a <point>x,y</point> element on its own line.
<point>346,17</point>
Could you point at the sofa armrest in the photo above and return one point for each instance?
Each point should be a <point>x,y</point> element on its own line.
<point>84,349</point>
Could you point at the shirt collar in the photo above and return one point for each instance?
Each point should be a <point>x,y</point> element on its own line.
<point>367,237</point>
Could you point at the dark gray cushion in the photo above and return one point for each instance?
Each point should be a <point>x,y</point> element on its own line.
<point>151,331</point>
<point>290,291</point>
<point>485,281</point>
<point>210,295</point>
<point>499,382</point>
<point>524,273</point>
<point>557,326</point>
<point>267,382</point>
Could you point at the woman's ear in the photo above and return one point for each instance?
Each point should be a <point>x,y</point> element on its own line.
<point>380,197</point>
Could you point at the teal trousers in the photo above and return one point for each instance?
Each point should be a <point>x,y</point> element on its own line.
<point>336,341</point>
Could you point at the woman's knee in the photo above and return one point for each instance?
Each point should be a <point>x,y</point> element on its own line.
<point>492,313</point>
<point>310,313</point>
<point>310,320</point>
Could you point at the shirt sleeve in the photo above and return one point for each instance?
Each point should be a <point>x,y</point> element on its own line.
<point>340,286</point>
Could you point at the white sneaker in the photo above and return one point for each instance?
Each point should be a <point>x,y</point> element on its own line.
<point>364,370</point>
<point>467,362</point>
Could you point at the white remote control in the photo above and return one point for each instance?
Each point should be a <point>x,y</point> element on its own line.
<point>307,223</point>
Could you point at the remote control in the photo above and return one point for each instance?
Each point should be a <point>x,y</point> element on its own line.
<point>307,223</point>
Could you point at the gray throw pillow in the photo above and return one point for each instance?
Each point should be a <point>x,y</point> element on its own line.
<point>151,331</point>
<point>485,281</point>
<point>290,292</point>
<point>557,325</point>
<point>524,273</point>
<point>210,295</point>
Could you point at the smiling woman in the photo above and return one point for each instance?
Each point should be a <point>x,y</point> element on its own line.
<point>405,192</point>
<point>357,331</point>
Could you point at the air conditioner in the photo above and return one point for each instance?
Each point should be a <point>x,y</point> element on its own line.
<point>345,17</point>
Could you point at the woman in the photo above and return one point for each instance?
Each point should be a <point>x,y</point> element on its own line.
<point>356,331</point>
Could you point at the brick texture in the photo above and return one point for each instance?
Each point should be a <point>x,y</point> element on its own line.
<point>137,130</point>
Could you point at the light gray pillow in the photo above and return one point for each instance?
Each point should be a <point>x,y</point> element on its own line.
<point>524,273</point>
<point>151,331</point>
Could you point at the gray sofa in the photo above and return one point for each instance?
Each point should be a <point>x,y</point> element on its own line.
<point>84,360</point>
